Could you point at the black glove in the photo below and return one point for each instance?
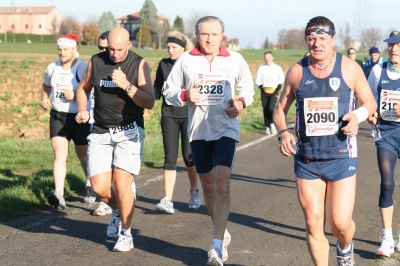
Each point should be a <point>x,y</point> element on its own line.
<point>261,87</point>
<point>279,87</point>
<point>157,95</point>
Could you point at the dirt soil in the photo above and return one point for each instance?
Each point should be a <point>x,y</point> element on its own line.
<point>20,87</point>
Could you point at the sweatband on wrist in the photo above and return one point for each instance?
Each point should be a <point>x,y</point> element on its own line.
<point>183,95</point>
<point>361,113</point>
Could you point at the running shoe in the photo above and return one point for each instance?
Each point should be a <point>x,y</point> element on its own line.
<point>225,243</point>
<point>103,209</point>
<point>89,195</point>
<point>124,243</point>
<point>165,206</point>
<point>373,134</point>
<point>114,226</point>
<point>273,129</point>
<point>135,189</point>
<point>194,199</point>
<point>214,258</point>
<point>267,131</point>
<point>346,259</point>
<point>57,200</point>
<point>386,249</point>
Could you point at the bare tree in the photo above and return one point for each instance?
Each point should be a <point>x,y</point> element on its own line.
<point>68,25</point>
<point>282,42</point>
<point>190,23</point>
<point>295,39</point>
<point>370,37</point>
<point>345,36</point>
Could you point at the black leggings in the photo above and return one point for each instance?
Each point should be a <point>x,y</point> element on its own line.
<point>386,162</point>
<point>268,102</point>
<point>171,127</point>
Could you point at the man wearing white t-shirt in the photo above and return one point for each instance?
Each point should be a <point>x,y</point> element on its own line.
<point>59,86</point>
<point>269,79</point>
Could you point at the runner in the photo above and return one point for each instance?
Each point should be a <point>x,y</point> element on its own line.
<point>204,79</point>
<point>269,79</point>
<point>61,81</point>
<point>324,86</point>
<point>174,122</point>
<point>384,81</point>
<point>122,89</point>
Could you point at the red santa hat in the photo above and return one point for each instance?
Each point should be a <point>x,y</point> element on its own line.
<point>67,40</point>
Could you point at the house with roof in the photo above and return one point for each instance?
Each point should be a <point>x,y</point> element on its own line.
<point>42,20</point>
<point>131,23</point>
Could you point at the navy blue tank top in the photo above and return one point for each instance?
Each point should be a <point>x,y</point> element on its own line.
<point>385,127</point>
<point>331,146</point>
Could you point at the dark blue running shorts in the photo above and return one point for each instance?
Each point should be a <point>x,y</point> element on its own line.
<point>208,154</point>
<point>330,170</point>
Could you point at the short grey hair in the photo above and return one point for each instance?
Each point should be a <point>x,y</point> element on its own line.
<point>208,18</point>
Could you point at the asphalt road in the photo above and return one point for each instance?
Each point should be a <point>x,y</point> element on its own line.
<point>266,222</point>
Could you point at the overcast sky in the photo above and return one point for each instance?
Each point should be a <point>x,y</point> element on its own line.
<point>251,21</point>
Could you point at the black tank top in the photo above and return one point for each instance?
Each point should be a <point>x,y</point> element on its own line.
<point>113,107</point>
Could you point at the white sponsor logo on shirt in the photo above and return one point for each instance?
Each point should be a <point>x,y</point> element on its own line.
<point>385,81</point>
<point>309,82</point>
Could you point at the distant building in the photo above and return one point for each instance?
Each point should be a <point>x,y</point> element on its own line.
<point>131,23</point>
<point>43,20</point>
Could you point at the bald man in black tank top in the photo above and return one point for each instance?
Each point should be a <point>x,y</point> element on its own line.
<point>122,89</point>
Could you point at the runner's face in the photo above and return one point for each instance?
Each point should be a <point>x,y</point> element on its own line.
<point>174,50</point>
<point>66,53</point>
<point>210,37</point>
<point>268,59</point>
<point>394,53</point>
<point>102,44</point>
<point>118,50</point>
<point>374,57</point>
<point>321,46</point>
<point>352,55</point>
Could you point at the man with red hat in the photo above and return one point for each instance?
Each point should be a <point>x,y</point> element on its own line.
<point>59,87</point>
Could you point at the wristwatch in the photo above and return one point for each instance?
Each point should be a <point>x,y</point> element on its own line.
<point>128,88</point>
<point>281,132</point>
<point>241,99</point>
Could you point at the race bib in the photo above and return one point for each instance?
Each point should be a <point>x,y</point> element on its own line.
<point>389,99</point>
<point>321,116</point>
<point>270,82</point>
<point>124,132</point>
<point>63,83</point>
<point>212,88</point>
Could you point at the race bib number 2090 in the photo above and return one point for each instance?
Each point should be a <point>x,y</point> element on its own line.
<point>321,116</point>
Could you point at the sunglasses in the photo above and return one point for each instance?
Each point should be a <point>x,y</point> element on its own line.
<point>351,53</point>
<point>102,48</point>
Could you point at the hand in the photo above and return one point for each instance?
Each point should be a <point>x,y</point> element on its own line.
<point>397,110</point>
<point>119,78</point>
<point>233,111</point>
<point>286,144</point>
<point>351,129</point>
<point>68,94</point>
<point>193,94</point>
<point>45,104</point>
<point>373,119</point>
<point>82,117</point>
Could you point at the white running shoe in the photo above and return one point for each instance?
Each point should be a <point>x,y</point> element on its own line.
<point>345,259</point>
<point>165,206</point>
<point>373,134</point>
<point>114,226</point>
<point>225,243</point>
<point>135,189</point>
<point>195,201</point>
<point>57,200</point>
<point>124,243</point>
<point>386,249</point>
<point>90,196</point>
<point>103,209</point>
<point>273,129</point>
<point>214,258</point>
<point>267,131</point>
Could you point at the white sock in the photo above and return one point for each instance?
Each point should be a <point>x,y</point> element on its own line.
<point>60,191</point>
<point>343,251</point>
<point>88,184</point>
<point>126,232</point>
<point>387,233</point>
<point>217,243</point>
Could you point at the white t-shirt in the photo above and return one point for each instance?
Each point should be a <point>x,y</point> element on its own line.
<point>270,76</point>
<point>59,80</point>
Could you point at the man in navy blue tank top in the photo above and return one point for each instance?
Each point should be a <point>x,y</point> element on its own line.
<point>325,85</point>
<point>384,81</point>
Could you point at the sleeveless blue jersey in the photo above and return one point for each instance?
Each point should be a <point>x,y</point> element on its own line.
<point>386,127</point>
<point>331,146</point>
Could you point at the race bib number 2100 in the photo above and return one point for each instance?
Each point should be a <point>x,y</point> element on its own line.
<point>321,116</point>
